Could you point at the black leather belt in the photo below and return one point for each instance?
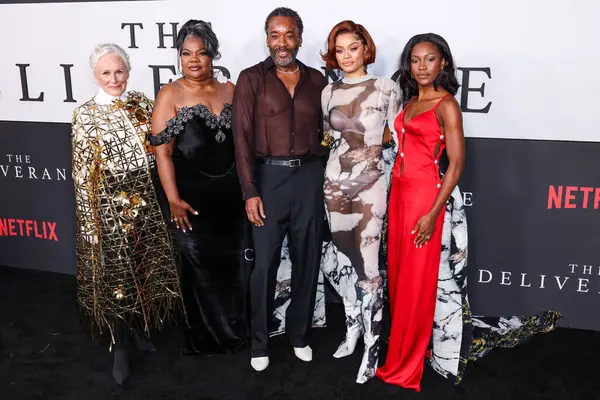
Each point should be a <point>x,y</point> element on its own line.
<point>286,162</point>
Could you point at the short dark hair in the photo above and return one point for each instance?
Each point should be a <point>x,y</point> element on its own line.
<point>359,32</point>
<point>202,30</point>
<point>285,12</point>
<point>446,79</point>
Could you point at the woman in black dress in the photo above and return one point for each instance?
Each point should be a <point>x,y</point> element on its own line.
<point>191,131</point>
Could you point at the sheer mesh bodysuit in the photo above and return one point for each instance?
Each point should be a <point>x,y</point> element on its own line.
<point>356,111</point>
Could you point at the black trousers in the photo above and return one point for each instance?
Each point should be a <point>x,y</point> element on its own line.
<point>294,205</point>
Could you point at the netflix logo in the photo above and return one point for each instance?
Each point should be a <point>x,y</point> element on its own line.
<point>572,197</point>
<point>28,228</point>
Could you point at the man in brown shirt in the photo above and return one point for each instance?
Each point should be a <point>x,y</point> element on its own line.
<point>277,127</point>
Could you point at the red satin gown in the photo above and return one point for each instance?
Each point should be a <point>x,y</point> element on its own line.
<point>412,271</point>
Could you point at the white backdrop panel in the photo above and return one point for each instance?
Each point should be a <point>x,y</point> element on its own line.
<point>541,54</point>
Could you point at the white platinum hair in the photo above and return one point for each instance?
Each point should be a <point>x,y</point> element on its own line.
<point>108,48</point>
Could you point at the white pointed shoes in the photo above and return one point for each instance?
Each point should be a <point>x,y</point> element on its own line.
<point>259,363</point>
<point>303,353</point>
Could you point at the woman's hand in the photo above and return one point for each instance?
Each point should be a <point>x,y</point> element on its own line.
<point>424,229</point>
<point>179,210</point>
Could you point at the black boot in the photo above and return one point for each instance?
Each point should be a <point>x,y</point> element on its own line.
<point>121,371</point>
<point>142,343</point>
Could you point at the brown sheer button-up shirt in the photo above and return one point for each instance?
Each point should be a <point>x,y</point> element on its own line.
<point>268,122</point>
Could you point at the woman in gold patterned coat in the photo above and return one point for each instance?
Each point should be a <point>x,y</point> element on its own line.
<point>127,280</point>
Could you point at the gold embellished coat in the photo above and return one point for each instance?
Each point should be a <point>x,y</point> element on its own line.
<point>126,259</point>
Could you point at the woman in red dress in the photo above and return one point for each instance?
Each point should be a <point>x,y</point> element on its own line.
<point>430,123</point>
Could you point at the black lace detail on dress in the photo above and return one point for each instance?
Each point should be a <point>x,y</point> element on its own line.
<point>176,124</point>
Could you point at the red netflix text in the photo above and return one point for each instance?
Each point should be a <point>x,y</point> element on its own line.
<point>28,228</point>
<point>573,197</point>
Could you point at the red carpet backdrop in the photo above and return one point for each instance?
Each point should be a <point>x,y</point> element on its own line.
<point>531,182</point>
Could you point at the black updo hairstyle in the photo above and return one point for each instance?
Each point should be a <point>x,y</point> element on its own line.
<point>202,30</point>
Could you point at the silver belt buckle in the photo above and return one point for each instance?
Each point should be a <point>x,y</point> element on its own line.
<point>295,162</point>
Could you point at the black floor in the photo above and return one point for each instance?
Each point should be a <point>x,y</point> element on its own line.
<point>44,354</point>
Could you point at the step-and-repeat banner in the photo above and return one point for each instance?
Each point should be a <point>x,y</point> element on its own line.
<point>528,85</point>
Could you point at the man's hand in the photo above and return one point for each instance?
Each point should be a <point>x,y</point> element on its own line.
<point>255,210</point>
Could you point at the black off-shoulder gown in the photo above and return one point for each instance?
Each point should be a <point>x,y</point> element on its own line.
<point>212,261</point>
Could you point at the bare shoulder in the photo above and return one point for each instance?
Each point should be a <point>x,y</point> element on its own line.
<point>166,106</point>
<point>229,88</point>
<point>449,107</point>
<point>169,92</point>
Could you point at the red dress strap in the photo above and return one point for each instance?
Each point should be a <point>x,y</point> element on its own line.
<point>440,101</point>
